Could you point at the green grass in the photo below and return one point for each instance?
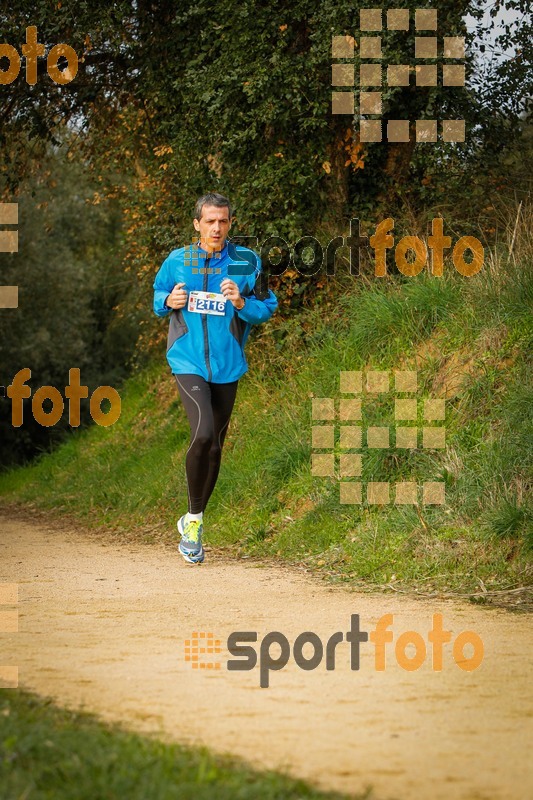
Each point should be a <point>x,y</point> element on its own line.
<point>47,753</point>
<point>471,336</point>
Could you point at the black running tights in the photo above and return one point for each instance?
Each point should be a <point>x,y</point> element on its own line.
<point>208,407</point>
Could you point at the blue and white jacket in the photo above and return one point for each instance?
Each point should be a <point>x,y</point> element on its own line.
<point>204,344</point>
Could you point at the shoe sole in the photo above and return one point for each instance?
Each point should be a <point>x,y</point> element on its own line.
<point>197,558</point>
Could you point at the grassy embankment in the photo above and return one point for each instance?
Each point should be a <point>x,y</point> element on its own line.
<point>470,340</point>
<point>53,754</point>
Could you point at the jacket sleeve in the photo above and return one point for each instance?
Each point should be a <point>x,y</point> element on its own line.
<point>256,311</point>
<point>163,285</point>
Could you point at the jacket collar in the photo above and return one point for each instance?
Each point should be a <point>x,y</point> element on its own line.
<point>222,253</point>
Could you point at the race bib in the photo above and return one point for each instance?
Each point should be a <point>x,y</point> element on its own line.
<point>207,303</point>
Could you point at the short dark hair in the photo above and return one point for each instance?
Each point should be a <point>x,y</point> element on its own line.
<point>211,199</point>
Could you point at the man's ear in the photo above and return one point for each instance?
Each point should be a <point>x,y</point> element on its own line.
<point>196,224</point>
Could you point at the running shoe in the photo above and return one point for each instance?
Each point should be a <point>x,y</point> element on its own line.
<point>190,546</point>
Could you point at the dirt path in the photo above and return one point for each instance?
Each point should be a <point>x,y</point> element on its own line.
<point>103,627</point>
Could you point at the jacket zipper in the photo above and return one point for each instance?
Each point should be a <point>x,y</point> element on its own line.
<point>204,325</point>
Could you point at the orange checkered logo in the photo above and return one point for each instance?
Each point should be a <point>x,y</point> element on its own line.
<point>9,623</point>
<point>202,644</point>
<point>363,66</point>
<point>193,254</point>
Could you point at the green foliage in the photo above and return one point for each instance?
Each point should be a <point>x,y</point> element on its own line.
<point>469,340</point>
<point>243,96</point>
<point>172,101</point>
<point>70,277</point>
<point>511,520</point>
<point>47,752</point>
<point>388,321</point>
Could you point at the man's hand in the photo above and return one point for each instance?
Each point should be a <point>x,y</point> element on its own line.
<point>230,290</point>
<point>177,298</point>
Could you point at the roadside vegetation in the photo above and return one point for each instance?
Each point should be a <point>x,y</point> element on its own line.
<point>48,753</point>
<point>106,175</point>
<point>470,342</point>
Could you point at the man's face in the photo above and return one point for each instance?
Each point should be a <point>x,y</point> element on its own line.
<point>213,227</point>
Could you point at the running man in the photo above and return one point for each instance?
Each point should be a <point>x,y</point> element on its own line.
<point>211,315</point>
